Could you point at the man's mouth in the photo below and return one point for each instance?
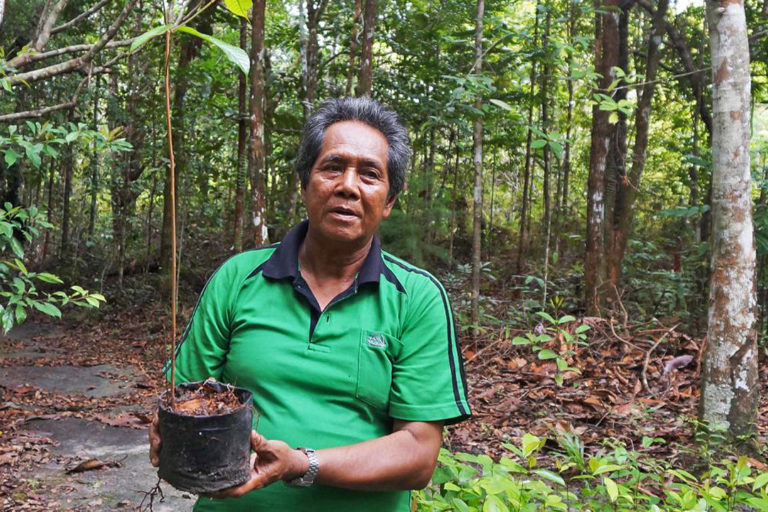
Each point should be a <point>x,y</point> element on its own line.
<point>343,212</point>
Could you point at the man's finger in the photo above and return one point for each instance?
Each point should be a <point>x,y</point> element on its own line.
<point>255,482</point>
<point>257,441</point>
<point>155,442</point>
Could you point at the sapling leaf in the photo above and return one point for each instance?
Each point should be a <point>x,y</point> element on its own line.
<point>502,104</point>
<point>146,36</point>
<point>760,481</point>
<point>549,475</point>
<point>47,308</point>
<point>239,7</point>
<point>233,53</point>
<point>547,354</point>
<point>611,488</point>
<point>49,278</point>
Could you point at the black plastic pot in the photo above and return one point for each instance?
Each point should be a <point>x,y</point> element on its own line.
<point>203,454</point>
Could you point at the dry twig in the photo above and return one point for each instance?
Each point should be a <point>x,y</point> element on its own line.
<point>648,357</point>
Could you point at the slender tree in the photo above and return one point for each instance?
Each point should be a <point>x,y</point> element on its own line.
<point>242,136</point>
<point>353,44</point>
<point>627,187</point>
<point>729,390</point>
<point>477,137</point>
<point>365,80</point>
<point>606,58</point>
<point>527,178</point>
<point>256,154</point>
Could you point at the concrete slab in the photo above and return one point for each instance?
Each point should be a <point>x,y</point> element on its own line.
<point>32,350</point>
<point>29,330</point>
<point>92,381</point>
<point>120,488</point>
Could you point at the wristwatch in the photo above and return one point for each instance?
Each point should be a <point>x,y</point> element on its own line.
<point>307,478</point>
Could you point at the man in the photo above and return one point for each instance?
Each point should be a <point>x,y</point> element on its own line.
<point>350,352</point>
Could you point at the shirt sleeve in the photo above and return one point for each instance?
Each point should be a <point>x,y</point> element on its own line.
<point>428,381</point>
<point>203,347</point>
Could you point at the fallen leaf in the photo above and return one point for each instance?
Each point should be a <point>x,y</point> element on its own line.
<point>8,458</point>
<point>626,409</point>
<point>593,400</point>
<point>123,419</point>
<point>87,465</point>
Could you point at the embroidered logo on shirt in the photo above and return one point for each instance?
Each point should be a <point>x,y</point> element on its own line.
<point>377,340</point>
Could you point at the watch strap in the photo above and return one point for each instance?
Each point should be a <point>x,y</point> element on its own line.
<point>307,478</point>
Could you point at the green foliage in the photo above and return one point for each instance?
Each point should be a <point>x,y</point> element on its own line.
<point>239,7</point>
<point>19,286</point>
<point>613,479</point>
<point>235,54</point>
<point>554,329</point>
<point>36,141</point>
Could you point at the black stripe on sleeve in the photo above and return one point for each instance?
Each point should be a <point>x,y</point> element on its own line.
<point>452,342</point>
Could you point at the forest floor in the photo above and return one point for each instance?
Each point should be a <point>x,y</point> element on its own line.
<point>626,387</point>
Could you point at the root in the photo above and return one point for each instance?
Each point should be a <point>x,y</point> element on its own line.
<point>146,506</point>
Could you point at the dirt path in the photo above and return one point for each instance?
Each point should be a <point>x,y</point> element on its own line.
<point>85,391</point>
<point>74,432</point>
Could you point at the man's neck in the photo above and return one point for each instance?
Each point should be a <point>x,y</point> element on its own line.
<point>332,262</point>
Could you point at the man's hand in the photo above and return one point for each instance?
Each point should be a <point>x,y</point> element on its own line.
<point>272,461</point>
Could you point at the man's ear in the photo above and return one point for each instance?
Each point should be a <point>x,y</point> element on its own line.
<point>389,204</point>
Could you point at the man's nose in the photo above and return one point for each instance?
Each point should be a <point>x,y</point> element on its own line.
<point>348,182</point>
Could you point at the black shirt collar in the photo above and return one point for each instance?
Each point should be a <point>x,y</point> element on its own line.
<point>284,262</point>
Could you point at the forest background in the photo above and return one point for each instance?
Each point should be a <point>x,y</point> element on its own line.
<point>561,186</point>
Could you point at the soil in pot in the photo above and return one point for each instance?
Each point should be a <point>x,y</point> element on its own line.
<point>206,436</point>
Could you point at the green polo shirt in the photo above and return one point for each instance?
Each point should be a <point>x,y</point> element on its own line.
<point>383,349</point>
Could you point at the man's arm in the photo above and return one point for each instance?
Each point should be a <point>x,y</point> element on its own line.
<point>404,459</point>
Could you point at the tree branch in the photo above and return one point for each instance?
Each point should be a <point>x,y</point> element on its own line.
<point>31,114</point>
<point>36,57</point>
<point>696,77</point>
<point>42,35</point>
<point>77,63</point>
<point>79,17</point>
<point>2,10</point>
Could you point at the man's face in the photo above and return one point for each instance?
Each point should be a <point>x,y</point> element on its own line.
<point>346,193</point>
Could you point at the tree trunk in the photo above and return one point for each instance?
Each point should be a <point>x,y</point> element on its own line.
<point>49,213</point>
<point>242,135</point>
<point>68,168</point>
<point>477,203</point>
<point>150,210</point>
<point>546,192</point>
<point>454,204</point>
<point>256,153</point>
<point>616,169</point>
<point>365,80</point>
<point>566,166</point>
<point>627,191</point>
<point>606,58</point>
<point>309,77</point>
<point>729,390</point>
<point>527,180</point>
<point>353,44</point>
<point>94,163</point>
<point>129,169</point>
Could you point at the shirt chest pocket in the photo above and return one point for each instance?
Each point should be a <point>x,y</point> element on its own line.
<point>376,353</point>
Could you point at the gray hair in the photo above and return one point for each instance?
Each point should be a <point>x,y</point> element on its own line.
<point>364,110</point>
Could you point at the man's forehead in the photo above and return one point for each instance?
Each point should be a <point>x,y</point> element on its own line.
<point>352,125</point>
